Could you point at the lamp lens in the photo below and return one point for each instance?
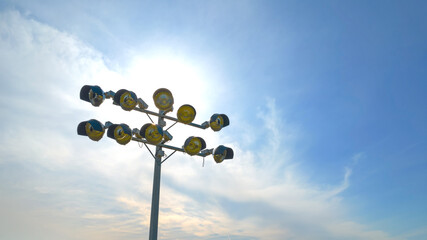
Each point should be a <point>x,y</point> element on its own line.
<point>118,132</point>
<point>193,145</point>
<point>93,134</point>
<point>127,101</point>
<point>92,94</point>
<point>153,135</point>
<point>163,99</point>
<point>121,136</point>
<point>222,152</point>
<point>95,98</point>
<point>186,114</point>
<point>219,157</point>
<point>217,122</point>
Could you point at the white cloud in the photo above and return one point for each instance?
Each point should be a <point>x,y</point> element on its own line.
<point>79,189</point>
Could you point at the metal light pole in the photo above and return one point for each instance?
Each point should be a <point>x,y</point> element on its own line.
<point>155,199</point>
<point>152,134</point>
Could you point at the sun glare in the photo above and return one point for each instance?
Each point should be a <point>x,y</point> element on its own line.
<point>185,80</point>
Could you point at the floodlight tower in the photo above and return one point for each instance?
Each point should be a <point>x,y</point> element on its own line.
<point>151,133</point>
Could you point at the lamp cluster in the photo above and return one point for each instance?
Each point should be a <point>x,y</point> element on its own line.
<point>151,133</point>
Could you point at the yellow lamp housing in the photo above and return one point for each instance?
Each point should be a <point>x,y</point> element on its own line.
<point>92,94</point>
<point>218,121</point>
<point>92,128</point>
<point>126,99</point>
<point>186,114</point>
<point>153,133</point>
<point>221,152</point>
<point>120,132</point>
<point>163,99</point>
<point>193,145</point>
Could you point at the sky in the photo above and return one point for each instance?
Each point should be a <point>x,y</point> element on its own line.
<point>326,101</point>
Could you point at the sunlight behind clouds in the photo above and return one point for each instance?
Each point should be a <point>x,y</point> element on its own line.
<point>187,81</point>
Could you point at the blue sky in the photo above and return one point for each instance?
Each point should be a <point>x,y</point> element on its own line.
<point>326,102</point>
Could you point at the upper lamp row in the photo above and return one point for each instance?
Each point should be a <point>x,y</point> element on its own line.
<point>163,100</point>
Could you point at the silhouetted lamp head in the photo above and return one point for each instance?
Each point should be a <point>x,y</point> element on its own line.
<point>120,132</point>
<point>92,128</point>
<point>92,94</point>
<point>218,121</point>
<point>126,99</point>
<point>193,145</point>
<point>163,99</point>
<point>186,114</point>
<point>153,133</point>
<point>221,152</point>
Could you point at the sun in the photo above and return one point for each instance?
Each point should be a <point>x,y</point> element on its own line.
<point>186,80</point>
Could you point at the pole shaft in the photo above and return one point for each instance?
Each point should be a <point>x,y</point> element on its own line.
<point>154,220</point>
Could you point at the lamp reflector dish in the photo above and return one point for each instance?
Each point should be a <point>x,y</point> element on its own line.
<point>92,128</point>
<point>163,99</point>
<point>193,145</point>
<point>221,153</point>
<point>153,133</point>
<point>120,132</point>
<point>218,121</point>
<point>186,114</point>
<point>126,99</point>
<point>92,94</point>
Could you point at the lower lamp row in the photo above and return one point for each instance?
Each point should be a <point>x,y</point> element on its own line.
<point>153,133</point>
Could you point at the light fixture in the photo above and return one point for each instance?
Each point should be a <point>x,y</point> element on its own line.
<point>163,99</point>
<point>153,133</point>
<point>120,132</point>
<point>92,128</point>
<point>218,121</point>
<point>92,94</point>
<point>186,114</point>
<point>193,145</point>
<point>221,152</point>
<point>126,99</point>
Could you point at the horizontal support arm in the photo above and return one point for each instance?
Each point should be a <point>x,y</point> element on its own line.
<point>204,154</point>
<point>203,126</point>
